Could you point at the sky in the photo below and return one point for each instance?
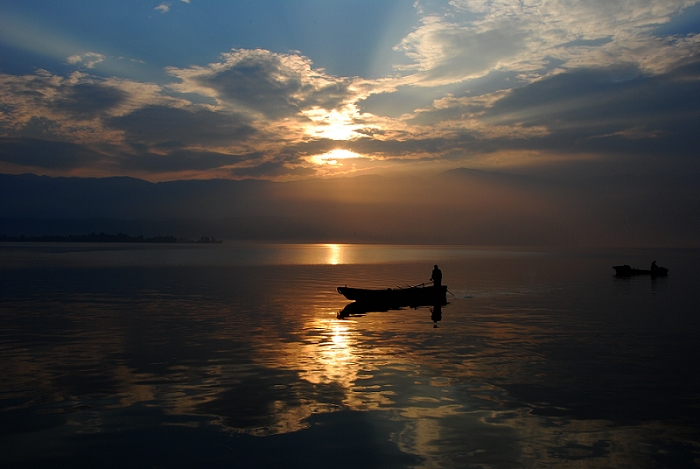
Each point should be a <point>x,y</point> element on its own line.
<point>291,89</point>
<point>558,90</point>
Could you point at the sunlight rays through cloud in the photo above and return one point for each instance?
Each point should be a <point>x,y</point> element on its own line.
<point>33,36</point>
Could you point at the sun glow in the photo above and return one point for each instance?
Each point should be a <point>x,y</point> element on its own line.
<point>333,125</point>
<point>332,157</point>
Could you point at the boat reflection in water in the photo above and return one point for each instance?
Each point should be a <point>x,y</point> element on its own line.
<point>381,300</point>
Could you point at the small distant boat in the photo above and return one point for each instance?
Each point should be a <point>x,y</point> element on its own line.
<point>419,295</point>
<point>627,271</point>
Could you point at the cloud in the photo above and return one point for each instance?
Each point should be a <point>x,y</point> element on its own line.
<point>265,83</point>
<point>89,59</point>
<point>533,37</point>
<point>163,8</point>
<point>180,161</point>
<point>86,100</point>
<point>607,114</point>
<point>591,105</point>
<point>169,126</point>
<point>40,154</point>
<point>270,169</point>
<point>144,130</point>
<point>447,52</point>
<point>75,106</point>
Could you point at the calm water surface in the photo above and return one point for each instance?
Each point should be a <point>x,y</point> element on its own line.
<point>233,356</point>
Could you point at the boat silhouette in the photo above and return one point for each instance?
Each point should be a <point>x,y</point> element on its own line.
<point>627,271</point>
<point>418,295</point>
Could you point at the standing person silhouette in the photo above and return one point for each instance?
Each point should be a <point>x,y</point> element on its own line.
<point>437,276</point>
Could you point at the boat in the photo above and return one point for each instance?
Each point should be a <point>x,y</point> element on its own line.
<point>419,295</point>
<point>627,271</point>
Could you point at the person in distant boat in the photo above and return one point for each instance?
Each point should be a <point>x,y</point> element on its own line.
<point>437,276</point>
<point>654,267</point>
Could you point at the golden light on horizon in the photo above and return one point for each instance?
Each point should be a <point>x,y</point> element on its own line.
<point>332,157</point>
<point>334,252</point>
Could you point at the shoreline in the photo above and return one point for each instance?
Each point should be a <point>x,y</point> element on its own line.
<point>107,238</point>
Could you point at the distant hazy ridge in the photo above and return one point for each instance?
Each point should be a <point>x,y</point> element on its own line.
<point>460,206</point>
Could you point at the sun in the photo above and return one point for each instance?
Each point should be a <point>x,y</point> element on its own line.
<point>332,157</point>
<point>333,125</point>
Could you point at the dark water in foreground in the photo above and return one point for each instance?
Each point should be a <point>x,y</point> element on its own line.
<point>232,356</point>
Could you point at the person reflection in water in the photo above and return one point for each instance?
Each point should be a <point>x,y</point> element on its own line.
<point>436,311</point>
<point>437,276</point>
<point>436,314</point>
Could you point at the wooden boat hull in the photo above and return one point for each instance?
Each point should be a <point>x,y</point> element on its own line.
<point>627,271</point>
<point>397,297</point>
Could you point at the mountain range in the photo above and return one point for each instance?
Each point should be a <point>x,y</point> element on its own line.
<point>461,206</point>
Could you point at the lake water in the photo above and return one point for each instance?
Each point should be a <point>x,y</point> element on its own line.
<point>232,355</point>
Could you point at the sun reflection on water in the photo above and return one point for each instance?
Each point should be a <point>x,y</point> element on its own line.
<point>330,358</point>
